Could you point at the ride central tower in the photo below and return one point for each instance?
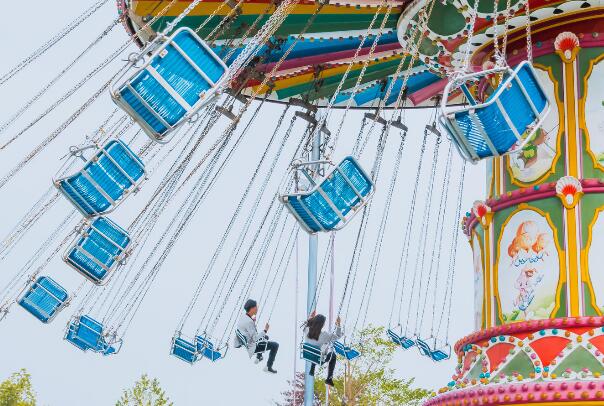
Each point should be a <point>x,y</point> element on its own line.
<point>537,236</point>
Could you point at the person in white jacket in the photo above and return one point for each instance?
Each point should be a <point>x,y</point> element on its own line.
<point>314,335</point>
<point>255,343</point>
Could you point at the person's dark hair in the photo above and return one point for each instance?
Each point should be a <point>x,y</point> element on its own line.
<point>315,325</point>
<point>250,304</point>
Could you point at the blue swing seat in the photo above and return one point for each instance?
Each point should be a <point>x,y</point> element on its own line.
<point>98,250</point>
<point>312,354</point>
<point>181,76</point>
<point>435,354</point>
<point>184,350</point>
<point>332,202</point>
<point>505,122</point>
<point>206,349</point>
<point>105,181</point>
<point>88,334</point>
<point>343,350</point>
<point>44,299</point>
<point>404,342</point>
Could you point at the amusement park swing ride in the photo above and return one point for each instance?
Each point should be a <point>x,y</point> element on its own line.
<point>512,84</point>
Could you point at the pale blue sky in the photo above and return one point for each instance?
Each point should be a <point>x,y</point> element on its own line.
<point>64,376</point>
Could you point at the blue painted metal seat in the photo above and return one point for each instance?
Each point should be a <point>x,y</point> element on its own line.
<point>312,354</point>
<point>505,122</point>
<point>206,349</point>
<point>184,349</point>
<point>88,334</point>
<point>400,339</point>
<point>44,299</point>
<point>330,203</point>
<point>163,91</point>
<point>106,179</point>
<point>345,351</point>
<point>243,339</point>
<point>431,351</point>
<point>101,246</point>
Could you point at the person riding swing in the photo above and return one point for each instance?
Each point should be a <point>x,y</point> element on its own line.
<point>313,335</point>
<point>247,336</point>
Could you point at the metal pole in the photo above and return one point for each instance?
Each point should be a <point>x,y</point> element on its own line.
<point>295,378</point>
<point>331,288</point>
<point>313,241</point>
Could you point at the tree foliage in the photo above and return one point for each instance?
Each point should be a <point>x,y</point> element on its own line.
<point>367,380</point>
<point>146,392</point>
<point>17,390</point>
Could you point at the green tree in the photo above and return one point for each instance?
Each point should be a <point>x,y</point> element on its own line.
<point>17,390</point>
<point>146,392</point>
<point>368,379</point>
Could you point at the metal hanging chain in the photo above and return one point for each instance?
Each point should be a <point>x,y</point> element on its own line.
<point>218,294</point>
<point>361,74</point>
<point>529,42</point>
<point>233,219</point>
<point>375,256</point>
<point>52,41</point>
<point>437,242</point>
<point>201,190</point>
<point>211,326</point>
<point>180,221</point>
<point>41,207</point>
<point>6,292</point>
<point>284,272</point>
<point>420,257</point>
<point>54,80</point>
<point>351,63</point>
<point>452,257</point>
<point>360,239</point>
<point>407,235</point>
<point>467,52</point>
<point>326,260</point>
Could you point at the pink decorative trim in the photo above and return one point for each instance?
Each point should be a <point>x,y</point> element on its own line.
<point>529,194</point>
<point>533,392</point>
<point>528,327</point>
<point>427,92</point>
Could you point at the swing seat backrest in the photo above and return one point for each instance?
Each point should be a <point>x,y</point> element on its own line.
<point>206,349</point>
<point>72,337</point>
<point>505,122</point>
<point>104,181</point>
<point>90,332</point>
<point>98,251</point>
<point>395,338</point>
<point>423,347</point>
<point>242,339</point>
<point>345,351</point>
<point>44,299</point>
<point>334,200</point>
<point>181,76</point>
<point>312,354</point>
<point>184,350</point>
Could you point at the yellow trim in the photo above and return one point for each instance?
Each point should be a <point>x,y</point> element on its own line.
<point>143,8</point>
<point>534,31</point>
<point>487,276</point>
<point>560,107</point>
<point>484,290</point>
<point>572,252</point>
<point>286,82</point>
<point>585,274</point>
<point>570,104</point>
<point>561,256</point>
<point>582,102</point>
